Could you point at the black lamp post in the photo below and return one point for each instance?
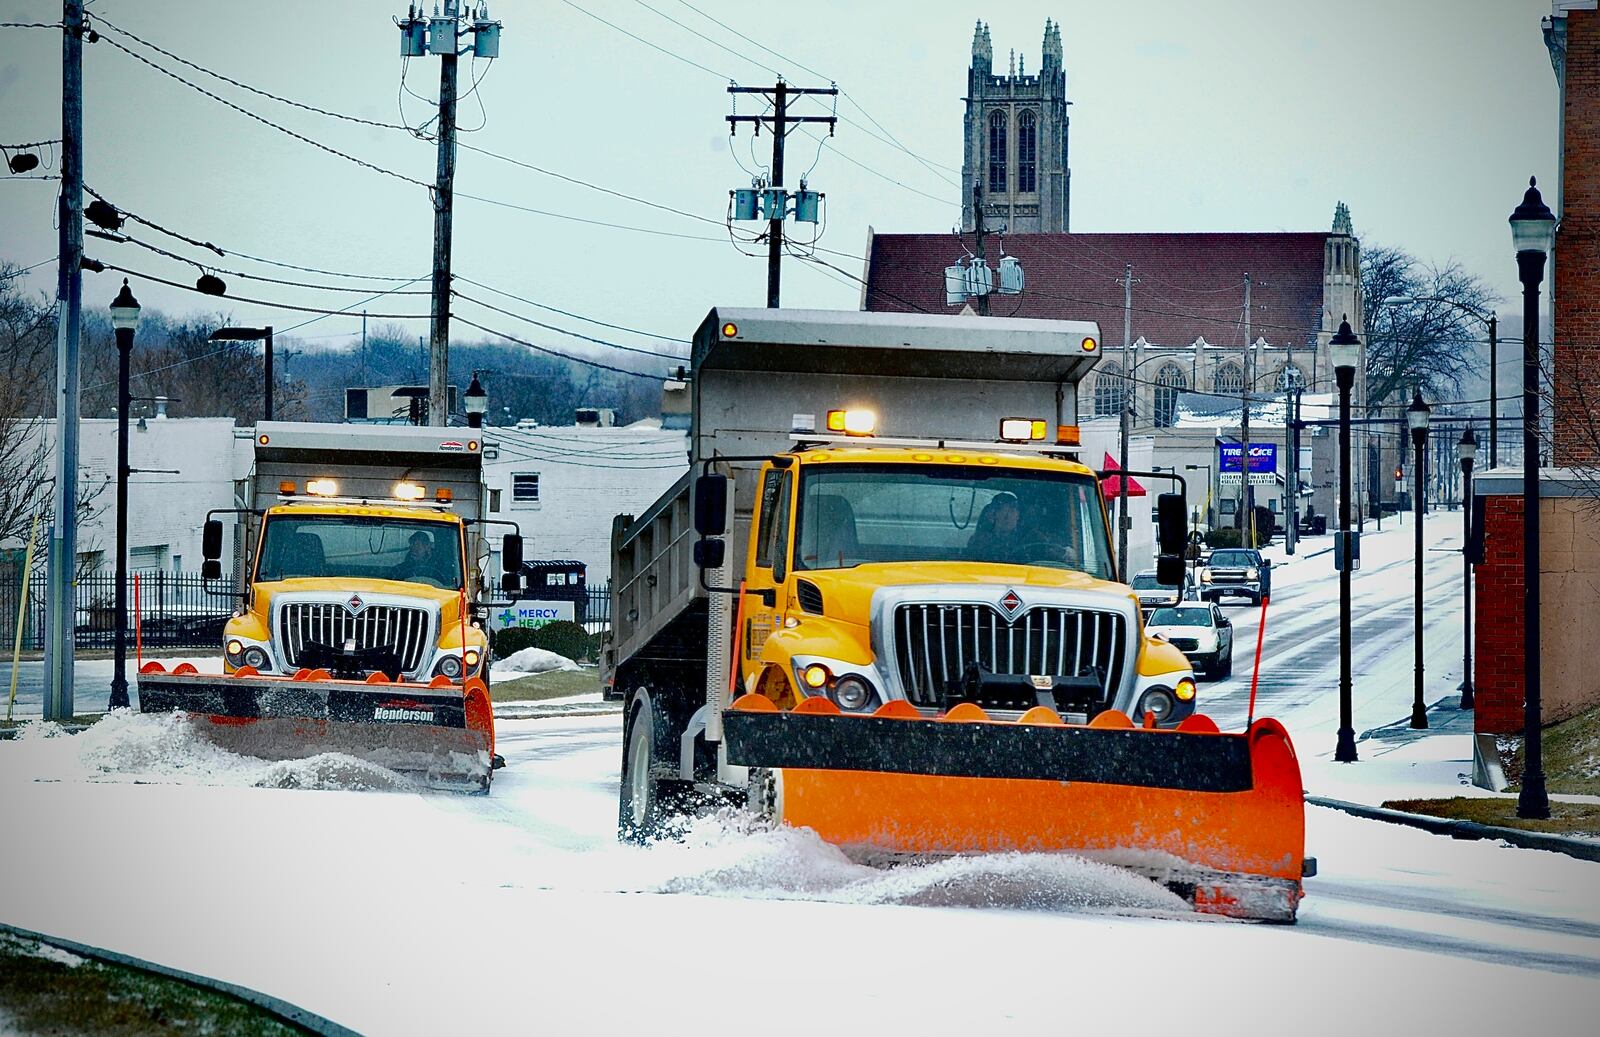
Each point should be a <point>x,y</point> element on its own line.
<point>1417,418</point>
<point>476,401</point>
<point>1344,349</point>
<point>252,335</point>
<point>1533,232</point>
<point>125,320</point>
<point>1466,451</point>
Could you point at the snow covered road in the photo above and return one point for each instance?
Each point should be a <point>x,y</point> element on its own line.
<point>402,913</point>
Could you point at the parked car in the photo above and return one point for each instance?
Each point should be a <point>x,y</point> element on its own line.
<point>1201,632</point>
<point>1236,572</point>
<point>1152,594</point>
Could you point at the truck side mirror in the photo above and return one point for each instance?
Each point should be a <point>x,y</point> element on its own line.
<point>711,507</point>
<point>1170,571</point>
<point>211,569</point>
<point>211,541</point>
<point>710,553</point>
<point>511,553</point>
<point>511,584</point>
<point>1172,522</point>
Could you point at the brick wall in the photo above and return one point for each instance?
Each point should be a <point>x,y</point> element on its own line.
<point>1577,263</point>
<point>1497,606</point>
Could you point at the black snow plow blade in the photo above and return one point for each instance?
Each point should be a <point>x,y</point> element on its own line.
<point>440,736</point>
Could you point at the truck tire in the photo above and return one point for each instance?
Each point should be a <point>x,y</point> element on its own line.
<point>649,807</point>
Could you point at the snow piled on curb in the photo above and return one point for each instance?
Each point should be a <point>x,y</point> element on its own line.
<point>164,748</point>
<point>533,660</point>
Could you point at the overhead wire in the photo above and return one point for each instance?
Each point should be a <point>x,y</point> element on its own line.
<point>259,302</point>
<point>567,313</point>
<point>557,353</point>
<point>563,331</point>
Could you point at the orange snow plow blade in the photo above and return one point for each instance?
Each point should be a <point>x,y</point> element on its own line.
<point>440,735</point>
<point>1218,818</point>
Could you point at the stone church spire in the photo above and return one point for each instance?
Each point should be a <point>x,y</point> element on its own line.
<point>1015,149</point>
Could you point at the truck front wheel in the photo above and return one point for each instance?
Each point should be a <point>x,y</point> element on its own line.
<point>648,806</point>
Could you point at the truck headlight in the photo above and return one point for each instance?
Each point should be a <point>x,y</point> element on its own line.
<point>1205,575</point>
<point>814,676</point>
<point>1158,701</point>
<point>853,693</point>
<point>234,650</point>
<point>473,656</point>
<point>1184,690</point>
<point>257,657</point>
<point>449,666</point>
<point>1252,573</point>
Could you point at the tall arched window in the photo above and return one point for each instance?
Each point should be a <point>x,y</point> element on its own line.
<point>1291,377</point>
<point>1169,382</point>
<point>1108,390</point>
<point>1027,153</point>
<point>1230,379</point>
<point>997,152</point>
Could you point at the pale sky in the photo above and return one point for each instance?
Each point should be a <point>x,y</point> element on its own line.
<point>1425,116</point>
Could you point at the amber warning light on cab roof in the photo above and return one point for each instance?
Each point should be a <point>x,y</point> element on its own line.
<point>853,422</point>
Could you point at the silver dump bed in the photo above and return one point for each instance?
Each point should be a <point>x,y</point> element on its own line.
<point>366,461</point>
<point>757,373</point>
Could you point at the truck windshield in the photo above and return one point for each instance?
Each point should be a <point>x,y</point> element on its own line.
<point>856,514</point>
<point>417,551</point>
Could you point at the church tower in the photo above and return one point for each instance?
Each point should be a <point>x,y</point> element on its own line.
<point>1015,149</point>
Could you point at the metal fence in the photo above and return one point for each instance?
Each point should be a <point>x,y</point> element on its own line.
<point>177,608</point>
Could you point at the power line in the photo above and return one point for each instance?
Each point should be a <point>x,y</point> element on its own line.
<point>246,86</point>
<point>564,356</point>
<point>592,223</point>
<point>260,302</point>
<point>565,313</point>
<point>564,331</point>
<point>34,144</point>
<point>259,277</point>
<point>671,54</point>
<point>315,270</point>
<point>265,121</point>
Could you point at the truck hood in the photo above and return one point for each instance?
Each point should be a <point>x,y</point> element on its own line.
<point>847,593</point>
<point>337,588</point>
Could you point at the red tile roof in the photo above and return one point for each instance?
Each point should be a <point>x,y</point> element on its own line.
<point>1189,284</point>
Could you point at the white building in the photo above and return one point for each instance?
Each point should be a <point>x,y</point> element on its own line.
<point>182,468</point>
<point>563,484</point>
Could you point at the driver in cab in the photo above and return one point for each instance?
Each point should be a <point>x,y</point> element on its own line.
<point>420,562</point>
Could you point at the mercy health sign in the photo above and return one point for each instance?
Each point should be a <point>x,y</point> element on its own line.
<point>530,615</point>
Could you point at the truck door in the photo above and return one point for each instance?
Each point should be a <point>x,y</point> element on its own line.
<point>768,567</point>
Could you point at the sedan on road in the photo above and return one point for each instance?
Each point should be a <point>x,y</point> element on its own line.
<point>1201,632</point>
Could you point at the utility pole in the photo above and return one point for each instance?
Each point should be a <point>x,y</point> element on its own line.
<point>363,348</point>
<point>1290,498</point>
<point>62,621</point>
<point>443,215</point>
<point>780,122</point>
<point>441,35</point>
<point>977,229</point>
<point>1247,518</point>
<point>1125,418</point>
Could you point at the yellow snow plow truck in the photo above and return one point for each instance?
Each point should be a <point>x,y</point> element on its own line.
<point>354,632</point>
<point>883,604</point>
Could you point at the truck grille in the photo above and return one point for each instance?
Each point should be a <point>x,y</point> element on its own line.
<point>397,628</point>
<point>1185,644</point>
<point>934,645</point>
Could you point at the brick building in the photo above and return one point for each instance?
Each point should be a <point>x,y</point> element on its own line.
<point>1569,523</point>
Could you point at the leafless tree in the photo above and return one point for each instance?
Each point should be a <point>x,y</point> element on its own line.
<point>1423,343</point>
<point>27,372</point>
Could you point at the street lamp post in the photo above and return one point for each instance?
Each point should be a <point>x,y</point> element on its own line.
<point>476,401</point>
<point>1533,231</point>
<point>1194,546</point>
<point>252,335</point>
<point>1466,451</point>
<point>125,321</point>
<point>1344,349</point>
<point>1417,419</point>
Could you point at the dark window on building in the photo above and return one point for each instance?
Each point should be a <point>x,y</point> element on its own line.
<point>1169,382</point>
<point>997,152</point>
<point>1230,379</point>
<point>1108,390</point>
<point>525,488</point>
<point>1027,154</point>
